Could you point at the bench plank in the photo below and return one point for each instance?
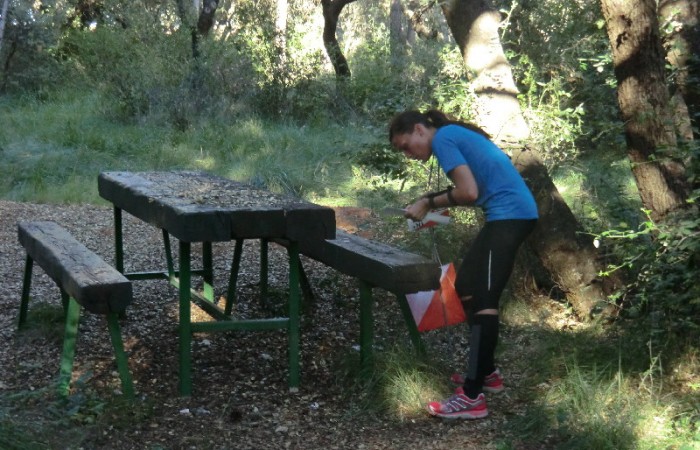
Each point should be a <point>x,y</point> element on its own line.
<point>93,283</point>
<point>378,264</point>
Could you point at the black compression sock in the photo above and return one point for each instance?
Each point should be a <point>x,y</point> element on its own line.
<point>484,337</point>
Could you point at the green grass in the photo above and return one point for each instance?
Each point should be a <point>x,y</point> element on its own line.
<point>52,151</point>
<point>580,390</point>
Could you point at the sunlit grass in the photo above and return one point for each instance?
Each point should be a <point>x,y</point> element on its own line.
<point>600,191</point>
<point>53,151</point>
<point>593,407</point>
<point>409,384</point>
<point>593,389</point>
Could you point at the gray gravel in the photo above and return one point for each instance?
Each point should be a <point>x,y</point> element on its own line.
<point>240,396</point>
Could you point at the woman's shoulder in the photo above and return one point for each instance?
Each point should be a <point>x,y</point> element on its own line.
<point>461,134</point>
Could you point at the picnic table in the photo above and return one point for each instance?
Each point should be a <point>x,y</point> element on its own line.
<point>197,207</point>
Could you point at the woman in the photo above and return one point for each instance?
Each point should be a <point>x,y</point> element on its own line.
<point>483,176</point>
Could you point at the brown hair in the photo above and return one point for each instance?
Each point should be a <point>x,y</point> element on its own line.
<point>434,118</point>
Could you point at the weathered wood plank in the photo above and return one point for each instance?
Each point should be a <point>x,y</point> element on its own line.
<point>93,283</point>
<point>196,207</point>
<point>378,264</point>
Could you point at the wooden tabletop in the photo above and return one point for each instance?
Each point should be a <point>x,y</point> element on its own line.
<point>198,207</point>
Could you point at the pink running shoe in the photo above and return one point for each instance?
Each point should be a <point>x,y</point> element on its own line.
<point>459,406</point>
<point>493,383</point>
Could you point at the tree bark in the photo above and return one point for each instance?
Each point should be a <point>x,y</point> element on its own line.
<point>682,41</point>
<point>331,13</point>
<point>281,9</point>
<point>474,25</point>
<point>206,16</point>
<point>564,257</point>
<point>3,21</point>
<point>397,36</point>
<point>633,31</point>
<point>415,9</point>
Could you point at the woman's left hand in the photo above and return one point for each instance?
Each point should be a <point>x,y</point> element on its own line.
<point>418,209</point>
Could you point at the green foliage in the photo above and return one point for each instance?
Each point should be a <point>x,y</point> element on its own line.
<point>451,91</point>
<point>390,164</point>
<point>561,61</point>
<point>555,126</point>
<point>663,256</point>
<point>31,41</point>
<point>148,79</point>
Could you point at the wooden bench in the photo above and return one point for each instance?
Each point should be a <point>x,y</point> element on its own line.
<point>84,279</point>
<point>379,265</point>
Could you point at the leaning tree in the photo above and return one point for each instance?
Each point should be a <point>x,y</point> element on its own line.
<point>564,256</point>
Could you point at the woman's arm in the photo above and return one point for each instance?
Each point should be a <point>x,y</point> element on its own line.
<point>464,193</point>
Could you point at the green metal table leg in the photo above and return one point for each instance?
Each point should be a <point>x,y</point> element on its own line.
<point>264,268</point>
<point>366,326</point>
<point>69,340</point>
<point>294,313</point>
<point>26,285</point>
<point>64,301</point>
<point>168,255</point>
<point>233,277</point>
<point>185,328</point>
<point>207,272</point>
<point>119,354</point>
<point>413,332</point>
<point>118,240</point>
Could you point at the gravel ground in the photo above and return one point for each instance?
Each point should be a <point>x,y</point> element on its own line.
<point>240,396</point>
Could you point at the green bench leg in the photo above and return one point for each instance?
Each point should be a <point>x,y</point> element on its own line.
<point>413,332</point>
<point>366,327</point>
<point>294,314</point>
<point>120,355</point>
<point>26,285</point>
<point>208,271</point>
<point>69,340</point>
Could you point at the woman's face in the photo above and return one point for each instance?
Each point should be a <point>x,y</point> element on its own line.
<point>416,144</point>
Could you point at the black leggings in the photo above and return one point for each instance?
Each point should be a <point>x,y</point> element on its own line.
<point>488,263</point>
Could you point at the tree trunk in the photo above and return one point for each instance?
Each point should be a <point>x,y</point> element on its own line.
<point>682,41</point>
<point>474,25</point>
<point>281,36</point>
<point>633,30</point>
<point>397,37</point>
<point>415,9</point>
<point>560,254</point>
<point>566,257</point>
<point>206,16</point>
<point>331,13</point>
<point>3,20</point>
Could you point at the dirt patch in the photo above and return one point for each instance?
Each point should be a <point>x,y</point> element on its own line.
<point>240,396</point>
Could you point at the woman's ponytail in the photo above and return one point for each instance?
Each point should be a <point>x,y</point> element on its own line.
<point>433,118</point>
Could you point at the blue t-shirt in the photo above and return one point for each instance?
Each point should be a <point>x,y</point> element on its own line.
<point>503,193</point>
